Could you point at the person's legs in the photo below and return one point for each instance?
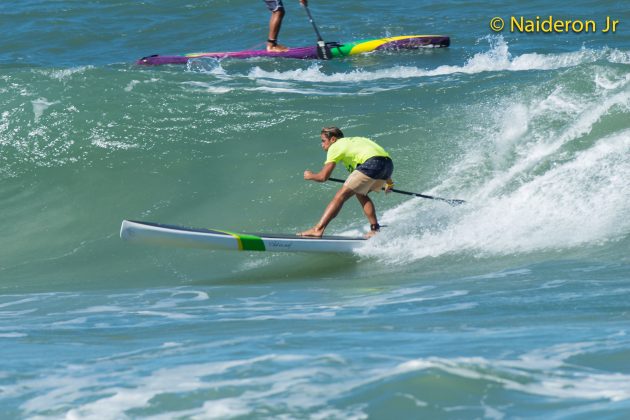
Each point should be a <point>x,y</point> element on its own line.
<point>330,213</point>
<point>275,23</point>
<point>370,213</point>
<point>368,208</point>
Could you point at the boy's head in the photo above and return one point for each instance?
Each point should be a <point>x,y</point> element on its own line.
<point>331,132</point>
<point>329,135</point>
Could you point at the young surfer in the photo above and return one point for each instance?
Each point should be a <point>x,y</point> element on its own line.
<point>371,169</point>
<point>277,13</point>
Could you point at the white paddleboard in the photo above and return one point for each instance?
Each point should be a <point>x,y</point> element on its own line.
<point>176,236</point>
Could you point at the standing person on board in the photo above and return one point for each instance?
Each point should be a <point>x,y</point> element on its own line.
<point>371,169</point>
<point>277,13</point>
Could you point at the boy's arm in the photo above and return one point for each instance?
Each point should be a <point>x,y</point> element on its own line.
<point>321,176</point>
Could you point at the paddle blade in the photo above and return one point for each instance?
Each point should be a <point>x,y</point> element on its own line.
<point>454,202</point>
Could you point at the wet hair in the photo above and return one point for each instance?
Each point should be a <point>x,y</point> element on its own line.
<point>330,132</point>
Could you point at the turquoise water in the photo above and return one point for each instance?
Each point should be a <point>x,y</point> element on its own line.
<point>514,305</point>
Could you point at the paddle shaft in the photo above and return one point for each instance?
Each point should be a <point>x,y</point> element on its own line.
<point>310,18</point>
<point>452,202</point>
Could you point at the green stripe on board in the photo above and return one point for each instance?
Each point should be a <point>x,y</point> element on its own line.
<point>246,242</point>
<point>342,50</point>
<point>251,242</point>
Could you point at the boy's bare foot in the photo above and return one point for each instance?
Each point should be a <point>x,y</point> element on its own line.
<point>312,233</point>
<point>370,234</point>
<point>275,47</point>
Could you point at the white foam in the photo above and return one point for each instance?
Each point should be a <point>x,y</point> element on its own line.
<point>13,314</point>
<point>602,80</point>
<point>192,295</point>
<point>541,372</point>
<point>70,322</point>
<point>402,296</point>
<point>208,87</point>
<point>19,302</point>
<point>112,144</point>
<point>69,387</point>
<point>551,186</point>
<point>131,85</point>
<point>497,58</point>
<point>621,57</point>
<point>536,151</point>
<point>299,91</point>
<point>99,309</point>
<point>64,74</point>
<point>511,132</point>
<point>206,65</point>
<point>13,335</point>
<point>40,105</point>
<point>169,315</point>
<point>253,264</point>
<point>288,381</point>
<point>102,137</point>
<point>416,401</point>
<point>286,316</point>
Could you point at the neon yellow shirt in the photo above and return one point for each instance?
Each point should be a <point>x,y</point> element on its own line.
<point>353,151</point>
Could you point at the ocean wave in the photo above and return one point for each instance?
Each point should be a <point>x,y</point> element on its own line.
<point>579,203</point>
<point>535,175</point>
<point>323,385</point>
<point>497,58</point>
<point>63,74</point>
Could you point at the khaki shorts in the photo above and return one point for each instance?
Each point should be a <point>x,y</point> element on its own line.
<point>363,184</point>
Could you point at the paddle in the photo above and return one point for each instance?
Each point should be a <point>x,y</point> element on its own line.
<point>322,50</point>
<point>452,202</point>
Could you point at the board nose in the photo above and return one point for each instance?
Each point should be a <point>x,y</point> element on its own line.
<point>147,61</point>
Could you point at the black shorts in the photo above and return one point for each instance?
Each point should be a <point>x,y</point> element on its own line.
<point>377,167</point>
<point>274,5</point>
